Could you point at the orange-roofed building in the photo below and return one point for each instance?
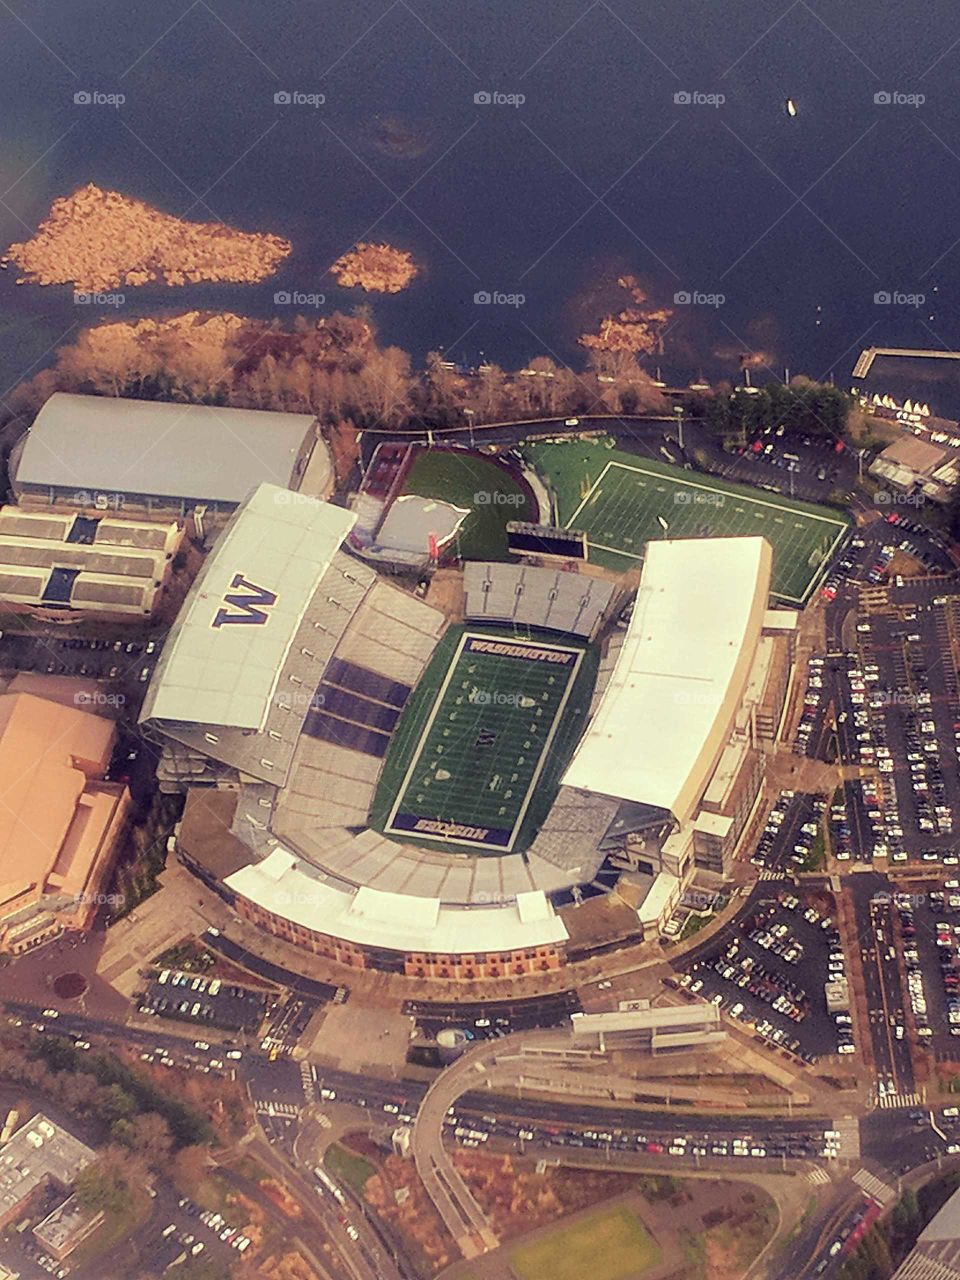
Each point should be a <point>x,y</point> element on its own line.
<point>60,821</point>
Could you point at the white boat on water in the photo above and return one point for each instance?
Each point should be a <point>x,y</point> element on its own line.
<point>791,107</point>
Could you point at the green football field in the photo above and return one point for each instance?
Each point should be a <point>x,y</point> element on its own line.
<point>621,502</point>
<point>478,746</point>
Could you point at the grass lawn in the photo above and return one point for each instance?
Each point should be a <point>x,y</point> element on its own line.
<point>346,1166</point>
<point>618,500</point>
<point>601,1246</point>
<point>481,484</point>
<point>478,754</point>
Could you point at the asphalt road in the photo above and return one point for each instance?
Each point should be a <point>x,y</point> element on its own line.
<point>883,983</point>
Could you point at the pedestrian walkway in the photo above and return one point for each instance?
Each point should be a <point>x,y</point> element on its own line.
<point>874,1188</point>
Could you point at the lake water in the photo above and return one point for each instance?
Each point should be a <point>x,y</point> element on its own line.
<point>796,223</point>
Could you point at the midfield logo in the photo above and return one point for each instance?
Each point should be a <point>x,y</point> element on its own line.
<point>249,604</point>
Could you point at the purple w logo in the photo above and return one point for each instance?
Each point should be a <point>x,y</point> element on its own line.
<point>249,608</point>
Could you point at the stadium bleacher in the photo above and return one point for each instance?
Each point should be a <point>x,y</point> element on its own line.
<point>531,596</point>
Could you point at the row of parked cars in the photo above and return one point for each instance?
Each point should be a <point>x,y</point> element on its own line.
<point>216,1223</point>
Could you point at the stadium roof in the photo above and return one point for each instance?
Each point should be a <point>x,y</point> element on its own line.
<point>285,886</point>
<point>105,444</point>
<point>666,712</point>
<point>223,657</point>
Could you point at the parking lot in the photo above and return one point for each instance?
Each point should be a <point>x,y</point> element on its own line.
<point>189,997</point>
<point>125,662</point>
<point>907,693</point>
<point>789,841</point>
<point>769,972</point>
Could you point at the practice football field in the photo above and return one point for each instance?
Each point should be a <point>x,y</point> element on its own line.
<point>485,742</point>
<point>621,502</point>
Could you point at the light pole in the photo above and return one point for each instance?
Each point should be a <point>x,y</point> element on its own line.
<point>678,410</point>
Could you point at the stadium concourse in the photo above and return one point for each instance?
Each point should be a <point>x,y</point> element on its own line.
<point>393,787</point>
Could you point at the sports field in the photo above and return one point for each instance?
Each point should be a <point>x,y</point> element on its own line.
<point>621,502</point>
<point>602,1246</point>
<point>486,488</point>
<point>485,737</point>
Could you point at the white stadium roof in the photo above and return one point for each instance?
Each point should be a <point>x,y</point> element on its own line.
<point>398,921</point>
<point>109,445</point>
<point>666,712</point>
<point>223,657</point>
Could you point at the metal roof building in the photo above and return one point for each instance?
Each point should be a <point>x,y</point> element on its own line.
<point>107,452</point>
<point>680,676</point>
<point>225,654</point>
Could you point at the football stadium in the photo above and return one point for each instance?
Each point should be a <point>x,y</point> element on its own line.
<point>470,782</point>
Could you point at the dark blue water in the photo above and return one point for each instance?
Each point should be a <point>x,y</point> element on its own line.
<point>798,223</point>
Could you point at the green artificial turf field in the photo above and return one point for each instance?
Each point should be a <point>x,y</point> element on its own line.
<point>479,750</point>
<point>619,501</point>
<point>469,480</point>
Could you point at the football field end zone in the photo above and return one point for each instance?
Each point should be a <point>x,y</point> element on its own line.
<point>797,511</point>
<point>464,833</point>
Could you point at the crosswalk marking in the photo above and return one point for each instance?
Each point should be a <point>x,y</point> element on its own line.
<point>818,1176</point>
<point>278,1109</point>
<point>308,1076</point>
<point>872,1185</point>
<point>888,1100</point>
